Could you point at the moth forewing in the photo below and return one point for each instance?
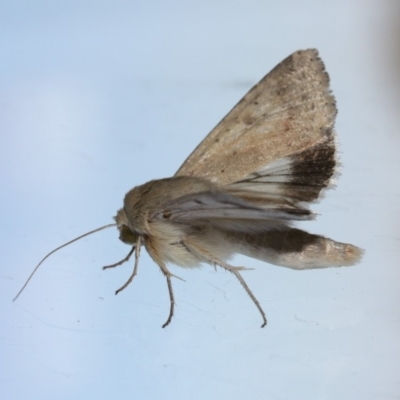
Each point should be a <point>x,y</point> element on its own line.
<point>290,110</point>
<point>242,187</point>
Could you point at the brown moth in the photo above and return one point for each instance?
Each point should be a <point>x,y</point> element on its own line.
<point>244,184</point>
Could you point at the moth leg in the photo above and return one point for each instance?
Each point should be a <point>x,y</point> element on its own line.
<point>123,260</point>
<point>234,270</point>
<point>137,256</point>
<point>152,249</point>
<point>168,275</point>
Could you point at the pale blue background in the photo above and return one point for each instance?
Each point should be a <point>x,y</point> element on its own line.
<point>99,96</point>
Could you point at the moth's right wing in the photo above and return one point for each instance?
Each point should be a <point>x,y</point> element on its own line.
<point>278,139</point>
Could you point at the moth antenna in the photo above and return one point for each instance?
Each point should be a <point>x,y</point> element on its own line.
<point>58,248</point>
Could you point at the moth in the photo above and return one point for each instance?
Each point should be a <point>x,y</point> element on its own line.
<point>242,188</point>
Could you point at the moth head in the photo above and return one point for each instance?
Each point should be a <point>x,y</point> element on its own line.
<point>126,235</point>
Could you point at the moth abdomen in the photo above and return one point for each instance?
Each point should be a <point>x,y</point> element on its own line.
<point>296,249</point>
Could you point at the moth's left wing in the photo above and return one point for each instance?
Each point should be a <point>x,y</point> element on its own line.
<point>229,211</point>
<point>285,123</point>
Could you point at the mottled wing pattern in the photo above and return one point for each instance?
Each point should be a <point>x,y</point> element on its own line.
<point>278,140</point>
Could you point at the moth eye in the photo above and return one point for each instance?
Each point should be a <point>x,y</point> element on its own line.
<point>126,235</point>
<point>166,214</point>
